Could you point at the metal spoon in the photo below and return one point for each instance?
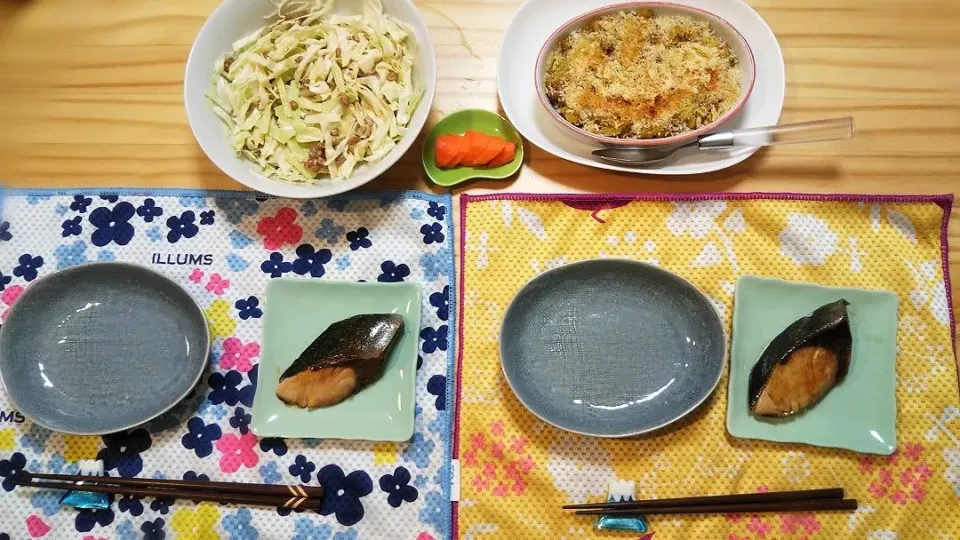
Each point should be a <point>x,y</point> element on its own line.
<point>819,130</point>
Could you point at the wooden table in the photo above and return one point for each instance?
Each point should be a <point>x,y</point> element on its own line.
<point>90,95</point>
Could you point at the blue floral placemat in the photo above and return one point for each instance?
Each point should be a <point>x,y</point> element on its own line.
<point>223,247</point>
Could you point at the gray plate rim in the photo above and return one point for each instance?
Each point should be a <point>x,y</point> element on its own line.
<point>646,267</point>
<point>157,275</point>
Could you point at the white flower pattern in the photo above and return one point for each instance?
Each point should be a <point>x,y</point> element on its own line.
<point>580,467</point>
<point>808,240</point>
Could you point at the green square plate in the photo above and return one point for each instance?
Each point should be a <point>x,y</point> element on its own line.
<point>297,311</point>
<point>860,413</point>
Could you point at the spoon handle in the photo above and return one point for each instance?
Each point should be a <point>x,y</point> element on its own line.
<point>818,130</point>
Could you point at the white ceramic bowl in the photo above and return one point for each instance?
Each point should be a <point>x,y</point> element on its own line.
<point>726,31</point>
<point>234,19</point>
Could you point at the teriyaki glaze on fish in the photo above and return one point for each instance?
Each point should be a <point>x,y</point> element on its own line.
<point>802,364</point>
<point>348,355</point>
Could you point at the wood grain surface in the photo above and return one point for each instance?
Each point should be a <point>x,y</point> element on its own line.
<point>90,95</point>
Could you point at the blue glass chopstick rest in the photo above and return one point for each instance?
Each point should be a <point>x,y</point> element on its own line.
<point>620,491</point>
<point>87,499</point>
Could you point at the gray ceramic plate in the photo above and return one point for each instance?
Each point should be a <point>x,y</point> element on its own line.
<point>611,348</point>
<point>101,347</point>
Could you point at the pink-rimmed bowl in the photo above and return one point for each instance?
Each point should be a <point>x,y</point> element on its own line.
<point>726,31</point>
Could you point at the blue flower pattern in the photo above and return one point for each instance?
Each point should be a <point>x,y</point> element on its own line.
<point>225,388</point>
<point>435,264</point>
<point>153,530</point>
<point>248,308</point>
<point>132,505</point>
<point>342,494</point>
<point>277,446</point>
<point>392,272</point>
<point>123,449</point>
<point>235,208</point>
<point>46,501</point>
<point>149,210</point>
<point>275,266</point>
<point>441,301</point>
<point>72,227</point>
<point>200,436</point>
<point>80,203</point>
<point>419,450</point>
<point>397,487</point>
<point>270,473</point>
<point>302,468</point>
<point>329,231</point>
<point>125,531</point>
<point>68,255</point>
<point>27,267</point>
<point>436,210</point>
<point>432,233</point>
<point>112,224</point>
<point>437,385</point>
<point>434,340</point>
<point>359,239</point>
<point>229,397</point>
<point>241,420</point>
<point>238,526</point>
<point>310,261</point>
<point>182,226</point>
<point>305,529</point>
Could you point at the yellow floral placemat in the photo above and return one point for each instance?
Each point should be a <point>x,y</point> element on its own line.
<point>516,471</point>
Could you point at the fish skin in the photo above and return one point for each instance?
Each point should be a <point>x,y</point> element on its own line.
<point>827,327</point>
<point>347,356</point>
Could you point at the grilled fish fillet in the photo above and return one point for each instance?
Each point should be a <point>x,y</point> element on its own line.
<point>802,364</point>
<point>348,356</point>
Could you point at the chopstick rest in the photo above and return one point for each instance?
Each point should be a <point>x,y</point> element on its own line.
<point>621,491</point>
<point>87,500</point>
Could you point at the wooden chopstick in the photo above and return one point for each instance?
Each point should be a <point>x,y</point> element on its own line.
<point>313,492</point>
<point>769,497</point>
<point>282,501</point>
<point>743,508</point>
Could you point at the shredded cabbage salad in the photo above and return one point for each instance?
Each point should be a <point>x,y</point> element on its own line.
<point>315,93</point>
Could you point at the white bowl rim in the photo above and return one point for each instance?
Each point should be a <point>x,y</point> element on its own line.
<point>311,191</point>
<point>675,139</point>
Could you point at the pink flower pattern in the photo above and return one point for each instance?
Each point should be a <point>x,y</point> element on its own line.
<point>196,276</point>
<point>239,356</point>
<point>763,527</point>
<point>505,462</point>
<point>9,297</point>
<point>217,285</point>
<point>237,451</point>
<point>280,229</point>
<point>899,478</point>
<point>792,523</point>
<point>759,527</point>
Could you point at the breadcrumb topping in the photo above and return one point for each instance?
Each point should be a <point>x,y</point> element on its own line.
<point>634,75</point>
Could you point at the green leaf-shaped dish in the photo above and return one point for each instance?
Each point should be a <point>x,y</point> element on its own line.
<point>458,123</point>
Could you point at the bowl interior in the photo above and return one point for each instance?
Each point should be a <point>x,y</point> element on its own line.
<point>723,29</point>
<point>234,19</point>
<point>85,339</point>
<point>611,347</point>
